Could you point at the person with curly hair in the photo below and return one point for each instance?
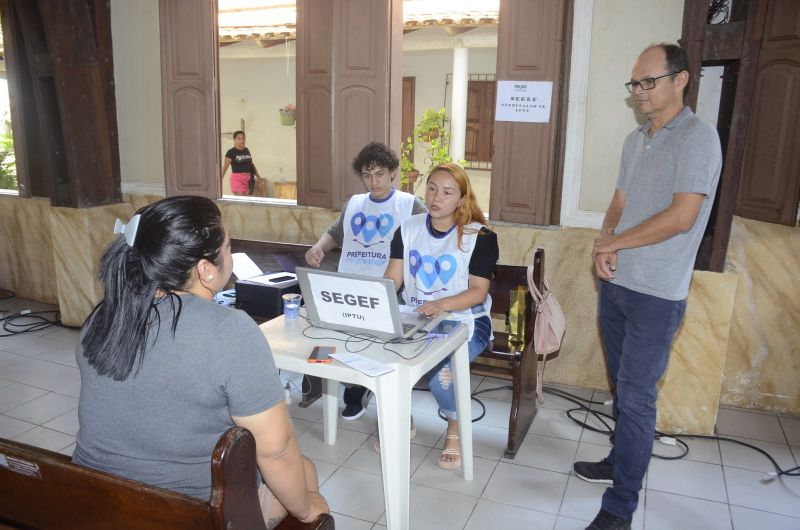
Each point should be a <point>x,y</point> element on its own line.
<point>364,230</point>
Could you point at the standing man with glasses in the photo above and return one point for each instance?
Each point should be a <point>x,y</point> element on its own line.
<point>644,258</point>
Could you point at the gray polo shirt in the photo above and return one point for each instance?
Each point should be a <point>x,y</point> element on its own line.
<point>684,156</point>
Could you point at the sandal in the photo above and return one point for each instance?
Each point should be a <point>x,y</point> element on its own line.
<point>412,435</point>
<point>453,451</point>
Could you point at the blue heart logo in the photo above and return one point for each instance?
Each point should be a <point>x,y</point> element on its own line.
<point>385,224</point>
<point>414,262</point>
<point>357,222</point>
<point>370,227</point>
<point>428,271</point>
<point>446,266</point>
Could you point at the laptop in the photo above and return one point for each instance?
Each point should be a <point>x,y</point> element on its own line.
<point>358,304</point>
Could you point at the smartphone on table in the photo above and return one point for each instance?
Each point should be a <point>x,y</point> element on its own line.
<point>321,354</point>
<point>443,329</point>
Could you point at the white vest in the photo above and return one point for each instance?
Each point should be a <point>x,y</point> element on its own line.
<point>368,230</point>
<point>436,268</point>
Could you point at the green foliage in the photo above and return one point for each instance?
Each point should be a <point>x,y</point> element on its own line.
<point>406,164</point>
<point>8,162</point>
<point>430,134</point>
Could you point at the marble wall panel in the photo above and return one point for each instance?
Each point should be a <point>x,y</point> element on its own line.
<point>80,236</point>
<point>26,249</point>
<point>764,354</point>
<point>286,223</point>
<point>753,360</point>
<point>689,391</point>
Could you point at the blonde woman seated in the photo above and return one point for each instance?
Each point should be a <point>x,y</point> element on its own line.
<point>445,261</point>
<point>165,371</point>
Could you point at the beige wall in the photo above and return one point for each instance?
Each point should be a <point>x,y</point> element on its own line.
<point>253,90</point>
<point>621,29</point>
<point>739,338</point>
<point>137,74</point>
<point>253,87</point>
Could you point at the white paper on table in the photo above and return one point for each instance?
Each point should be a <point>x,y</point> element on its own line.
<point>244,267</point>
<point>363,364</point>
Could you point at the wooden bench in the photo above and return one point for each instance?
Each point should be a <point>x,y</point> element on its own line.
<point>43,489</point>
<point>506,361</point>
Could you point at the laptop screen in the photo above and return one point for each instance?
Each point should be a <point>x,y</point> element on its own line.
<point>348,301</point>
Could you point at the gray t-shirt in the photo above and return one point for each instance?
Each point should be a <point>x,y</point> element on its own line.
<point>160,425</point>
<point>683,156</point>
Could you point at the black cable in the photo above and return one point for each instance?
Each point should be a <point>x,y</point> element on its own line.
<point>355,338</point>
<point>792,472</point>
<point>5,294</point>
<point>483,407</point>
<point>31,322</point>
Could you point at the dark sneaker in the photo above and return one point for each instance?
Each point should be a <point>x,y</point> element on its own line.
<point>356,399</point>
<point>600,471</point>
<point>607,521</point>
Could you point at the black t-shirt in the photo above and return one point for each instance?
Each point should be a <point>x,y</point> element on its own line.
<point>241,160</point>
<point>484,256</point>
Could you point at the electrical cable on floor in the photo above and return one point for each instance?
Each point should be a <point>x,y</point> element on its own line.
<point>30,322</point>
<point>478,401</point>
<point>660,436</point>
<point>5,294</point>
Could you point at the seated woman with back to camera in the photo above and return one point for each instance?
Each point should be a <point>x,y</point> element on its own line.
<point>165,371</point>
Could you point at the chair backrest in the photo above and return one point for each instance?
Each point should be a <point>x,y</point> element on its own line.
<point>274,256</point>
<point>43,489</point>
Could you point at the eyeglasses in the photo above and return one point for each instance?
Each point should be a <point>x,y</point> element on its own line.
<point>647,83</point>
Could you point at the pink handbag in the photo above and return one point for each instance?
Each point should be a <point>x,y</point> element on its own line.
<point>548,329</point>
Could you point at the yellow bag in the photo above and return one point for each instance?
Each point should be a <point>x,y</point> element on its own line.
<point>516,318</point>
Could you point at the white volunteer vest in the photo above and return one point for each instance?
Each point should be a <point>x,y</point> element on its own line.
<point>368,230</point>
<point>436,268</point>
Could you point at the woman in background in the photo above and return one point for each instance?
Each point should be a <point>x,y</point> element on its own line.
<point>445,261</point>
<point>165,371</point>
<point>240,160</point>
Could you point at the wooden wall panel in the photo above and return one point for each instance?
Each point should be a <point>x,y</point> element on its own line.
<point>362,94</point>
<point>190,88</point>
<point>314,105</point>
<point>351,51</point>
<point>63,104</point>
<point>20,95</point>
<point>526,155</point>
<point>769,189</point>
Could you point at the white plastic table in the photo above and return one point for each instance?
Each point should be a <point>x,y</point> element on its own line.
<point>392,392</point>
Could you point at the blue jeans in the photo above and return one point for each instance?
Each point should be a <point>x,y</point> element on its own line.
<point>440,378</point>
<point>637,331</point>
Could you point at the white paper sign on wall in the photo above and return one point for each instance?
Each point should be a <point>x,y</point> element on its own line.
<point>527,101</point>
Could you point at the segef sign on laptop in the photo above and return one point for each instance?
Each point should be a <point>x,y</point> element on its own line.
<point>349,302</point>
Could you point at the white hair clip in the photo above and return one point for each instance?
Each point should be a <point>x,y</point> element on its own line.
<point>129,229</point>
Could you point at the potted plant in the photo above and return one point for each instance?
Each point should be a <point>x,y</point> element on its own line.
<point>408,173</point>
<point>430,134</point>
<point>434,138</point>
<point>431,125</point>
<point>287,114</point>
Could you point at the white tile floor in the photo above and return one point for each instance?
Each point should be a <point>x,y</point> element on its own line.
<point>718,485</point>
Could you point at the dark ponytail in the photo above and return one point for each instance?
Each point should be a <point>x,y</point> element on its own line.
<point>174,234</point>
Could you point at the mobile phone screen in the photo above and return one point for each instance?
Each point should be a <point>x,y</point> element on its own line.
<point>443,328</point>
<point>279,279</point>
<point>321,354</point>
